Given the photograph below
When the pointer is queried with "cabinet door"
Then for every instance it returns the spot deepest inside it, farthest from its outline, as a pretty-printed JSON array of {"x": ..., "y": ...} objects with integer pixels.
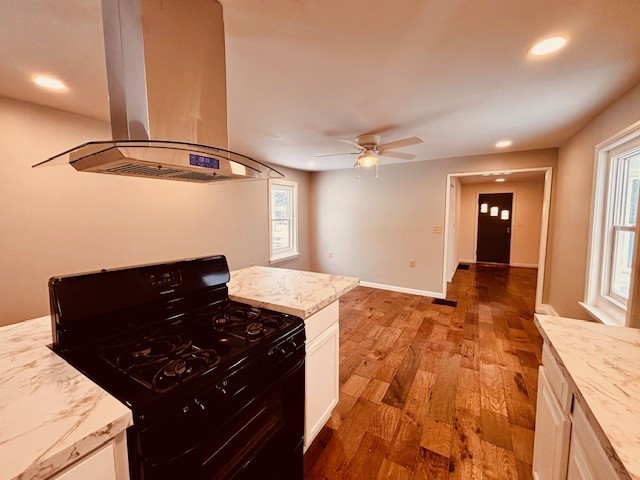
[
  {"x": 108, "y": 462},
  {"x": 587, "y": 457},
  {"x": 99, "y": 465},
  {"x": 321, "y": 382},
  {"x": 578, "y": 466},
  {"x": 551, "y": 443}
]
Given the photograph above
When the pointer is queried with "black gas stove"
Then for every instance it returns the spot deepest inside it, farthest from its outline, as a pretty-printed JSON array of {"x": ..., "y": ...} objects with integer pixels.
[{"x": 216, "y": 387}]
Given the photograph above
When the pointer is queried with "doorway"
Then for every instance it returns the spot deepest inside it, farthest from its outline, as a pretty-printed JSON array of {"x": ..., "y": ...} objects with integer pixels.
[
  {"x": 494, "y": 227},
  {"x": 455, "y": 254}
]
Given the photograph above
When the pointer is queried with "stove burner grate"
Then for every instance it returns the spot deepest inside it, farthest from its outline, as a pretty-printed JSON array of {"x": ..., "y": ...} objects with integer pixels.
[
  {"x": 160, "y": 362},
  {"x": 245, "y": 322}
]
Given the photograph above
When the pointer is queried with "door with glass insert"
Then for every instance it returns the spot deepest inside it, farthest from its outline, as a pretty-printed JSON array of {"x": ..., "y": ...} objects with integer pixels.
[{"x": 494, "y": 227}]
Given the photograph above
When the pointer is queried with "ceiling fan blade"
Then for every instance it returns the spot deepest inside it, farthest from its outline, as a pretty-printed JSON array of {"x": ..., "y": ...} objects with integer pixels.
[
  {"x": 405, "y": 142},
  {"x": 355, "y": 164},
  {"x": 405, "y": 156},
  {"x": 353, "y": 144},
  {"x": 337, "y": 154}
]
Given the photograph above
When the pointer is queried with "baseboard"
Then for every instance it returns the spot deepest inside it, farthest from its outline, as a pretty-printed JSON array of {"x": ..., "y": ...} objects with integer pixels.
[
  {"x": 393, "y": 288},
  {"x": 546, "y": 309},
  {"x": 450, "y": 279},
  {"x": 462, "y": 260}
]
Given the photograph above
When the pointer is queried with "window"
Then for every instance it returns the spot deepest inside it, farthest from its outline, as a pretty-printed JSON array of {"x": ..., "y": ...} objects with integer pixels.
[
  {"x": 283, "y": 228},
  {"x": 621, "y": 223},
  {"x": 613, "y": 227}
]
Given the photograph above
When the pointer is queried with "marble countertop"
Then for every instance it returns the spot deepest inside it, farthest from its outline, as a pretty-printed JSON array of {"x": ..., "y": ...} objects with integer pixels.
[
  {"x": 50, "y": 414},
  {"x": 602, "y": 365},
  {"x": 294, "y": 292}
]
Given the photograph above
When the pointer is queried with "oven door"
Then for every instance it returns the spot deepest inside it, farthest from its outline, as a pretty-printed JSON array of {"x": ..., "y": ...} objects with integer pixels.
[{"x": 255, "y": 434}]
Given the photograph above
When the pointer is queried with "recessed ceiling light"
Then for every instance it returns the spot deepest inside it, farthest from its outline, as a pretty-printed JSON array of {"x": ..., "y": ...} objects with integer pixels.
[
  {"x": 503, "y": 143},
  {"x": 547, "y": 46},
  {"x": 506, "y": 173},
  {"x": 49, "y": 82},
  {"x": 499, "y": 179},
  {"x": 487, "y": 174}
]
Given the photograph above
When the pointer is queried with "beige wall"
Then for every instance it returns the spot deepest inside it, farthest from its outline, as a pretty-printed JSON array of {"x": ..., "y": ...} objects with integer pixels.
[
  {"x": 55, "y": 220},
  {"x": 565, "y": 283},
  {"x": 526, "y": 222},
  {"x": 374, "y": 226}
]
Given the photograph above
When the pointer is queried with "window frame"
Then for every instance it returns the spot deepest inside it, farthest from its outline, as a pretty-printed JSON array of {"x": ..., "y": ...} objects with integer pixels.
[
  {"x": 280, "y": 255},
  {"x": 602, "y": 304}
]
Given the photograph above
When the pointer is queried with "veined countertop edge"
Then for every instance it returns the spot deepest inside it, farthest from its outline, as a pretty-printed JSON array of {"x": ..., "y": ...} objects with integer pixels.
[
  {"x": 75, "y": 415},
  {"x": 610, "y": 451},
  {"x": 295, "y": 292}
]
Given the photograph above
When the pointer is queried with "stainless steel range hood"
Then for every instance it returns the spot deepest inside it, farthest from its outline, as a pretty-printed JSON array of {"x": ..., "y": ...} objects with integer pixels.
[{"x": 167, "y": 96}]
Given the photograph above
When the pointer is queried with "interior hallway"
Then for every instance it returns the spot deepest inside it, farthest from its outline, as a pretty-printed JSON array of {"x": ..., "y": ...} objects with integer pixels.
[{"x": 435, "y": 392}]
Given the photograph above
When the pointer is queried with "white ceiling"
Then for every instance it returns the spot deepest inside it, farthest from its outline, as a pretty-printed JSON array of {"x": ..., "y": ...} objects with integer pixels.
[{"x": 455, "y": 72}]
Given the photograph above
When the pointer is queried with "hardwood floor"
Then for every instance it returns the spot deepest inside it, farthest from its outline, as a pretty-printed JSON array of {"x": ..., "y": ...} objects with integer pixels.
[{"x": 435, "y": 392}]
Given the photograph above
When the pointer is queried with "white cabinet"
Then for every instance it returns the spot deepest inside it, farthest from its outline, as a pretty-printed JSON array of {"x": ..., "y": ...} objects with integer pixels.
[
  {"x": 321, "y": 369},
  {"x": 553, "y": 427},
  {"x": 578, "y": 466},
  {"x": 587, "y": 458},
  {"x": 108, "y": 462},
  {"x": 565, "y": 445}
]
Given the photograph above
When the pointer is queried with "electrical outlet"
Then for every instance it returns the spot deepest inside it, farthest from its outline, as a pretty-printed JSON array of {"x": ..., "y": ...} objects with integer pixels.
[
  {"x": 412, "y": 263},
  {"x": 437, "y": 229},
  {"x": 330, "y": 254}
]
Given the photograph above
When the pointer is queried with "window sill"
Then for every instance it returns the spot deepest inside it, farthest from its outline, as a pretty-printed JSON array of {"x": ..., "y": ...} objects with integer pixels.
[
  {"x": 601, "y": 316},
  {"x": 283, "y": 258}
]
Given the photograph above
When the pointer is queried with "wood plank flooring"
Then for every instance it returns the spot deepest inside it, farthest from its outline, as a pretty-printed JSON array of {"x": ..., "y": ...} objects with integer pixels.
[{"x": 435, "y": 392}]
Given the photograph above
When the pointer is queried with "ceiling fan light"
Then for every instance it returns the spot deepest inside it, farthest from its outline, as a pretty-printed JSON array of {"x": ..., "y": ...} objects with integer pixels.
[{"x": 368, "y": 158}]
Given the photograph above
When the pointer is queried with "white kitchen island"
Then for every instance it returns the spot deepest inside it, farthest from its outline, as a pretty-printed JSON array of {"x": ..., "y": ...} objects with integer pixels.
[
  {"x": 314, "y": 298},
  {"x": 57, "y": 424}
]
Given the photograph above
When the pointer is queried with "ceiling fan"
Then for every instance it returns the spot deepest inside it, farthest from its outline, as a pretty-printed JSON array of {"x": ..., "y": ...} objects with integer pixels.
[{"x": 369, "y": 149}]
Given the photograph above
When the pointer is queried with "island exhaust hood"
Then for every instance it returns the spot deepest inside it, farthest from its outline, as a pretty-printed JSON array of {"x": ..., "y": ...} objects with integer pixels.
[{"x": 167, "y": 96}]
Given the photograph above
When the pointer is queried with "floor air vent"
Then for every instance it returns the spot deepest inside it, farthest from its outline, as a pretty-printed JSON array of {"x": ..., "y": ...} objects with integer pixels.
[
  {"x": 446, "y": 303},
  {"x": 463, "y": 266}
]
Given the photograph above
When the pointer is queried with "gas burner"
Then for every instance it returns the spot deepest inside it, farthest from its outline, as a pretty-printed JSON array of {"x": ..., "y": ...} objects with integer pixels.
[
  {"x": 179, "y": 370},
  {"x": 143, "y": 351},
  {"x": 221, "y": 320},
  {"x": 274, "y": 321},
  {"x": 163, "y": 359},
  {"x": 175, "y": 368},
  {"x": 239, "y": 321},
  {"x": 254, "y": 331}
]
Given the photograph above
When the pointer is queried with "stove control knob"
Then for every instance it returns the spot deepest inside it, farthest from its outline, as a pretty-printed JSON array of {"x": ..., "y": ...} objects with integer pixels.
[
  {"x": 193, "y": 408},
  {"x": 285, "y": 348},
  {"x": 199, "y": 406},
  {"x": 221, "y": 391}
]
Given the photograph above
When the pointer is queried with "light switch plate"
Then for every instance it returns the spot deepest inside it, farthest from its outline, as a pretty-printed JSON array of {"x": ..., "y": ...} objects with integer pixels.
[{"x": 437, "y": 229}]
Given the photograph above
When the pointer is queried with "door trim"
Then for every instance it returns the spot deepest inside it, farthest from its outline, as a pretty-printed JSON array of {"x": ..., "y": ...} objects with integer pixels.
[
  {"x": 475, "y": 232},
  {"x": 544, "y": 228}
]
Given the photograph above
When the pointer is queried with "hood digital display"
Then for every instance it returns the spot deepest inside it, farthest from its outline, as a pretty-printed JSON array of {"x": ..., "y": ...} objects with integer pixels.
[{"x": 202, "y": 161}]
